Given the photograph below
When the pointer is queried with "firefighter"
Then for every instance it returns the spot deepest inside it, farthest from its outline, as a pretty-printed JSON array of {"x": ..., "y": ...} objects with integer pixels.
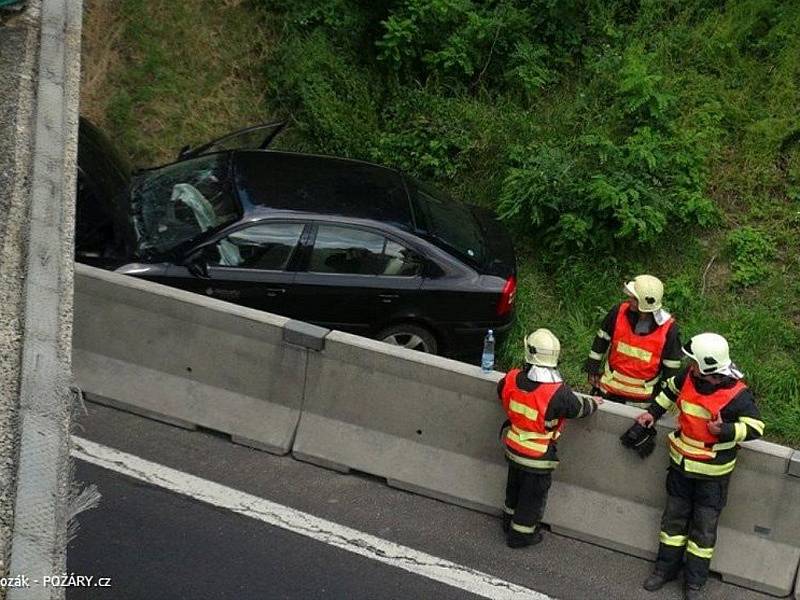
[
  {"x": 537, "y": 403},
  {"x": 716, "y": 410},
  {"x": 642, "y": 343}
]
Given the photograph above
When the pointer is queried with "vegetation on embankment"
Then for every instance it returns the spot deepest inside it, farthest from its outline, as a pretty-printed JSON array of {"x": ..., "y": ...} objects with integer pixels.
[{"x": 615, "y": 137}]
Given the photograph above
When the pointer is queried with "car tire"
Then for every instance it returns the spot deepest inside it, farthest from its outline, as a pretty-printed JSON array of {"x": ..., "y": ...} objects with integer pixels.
[{"x": 410, "y": 336}]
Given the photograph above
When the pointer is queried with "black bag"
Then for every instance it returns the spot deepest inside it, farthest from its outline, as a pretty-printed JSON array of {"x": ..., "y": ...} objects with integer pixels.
[{"x": 640, "y": 439}]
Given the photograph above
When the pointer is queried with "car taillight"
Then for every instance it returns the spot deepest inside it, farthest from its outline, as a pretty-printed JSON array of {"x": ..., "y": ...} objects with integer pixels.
[{"x": 506, "y": 303}]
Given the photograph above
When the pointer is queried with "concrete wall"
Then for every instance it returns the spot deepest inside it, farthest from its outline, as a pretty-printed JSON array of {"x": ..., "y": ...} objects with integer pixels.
[
  {"x": 425, "y": 423},
  {"x": 39, "y": 81},
  {"x": 187, "y": 359}
]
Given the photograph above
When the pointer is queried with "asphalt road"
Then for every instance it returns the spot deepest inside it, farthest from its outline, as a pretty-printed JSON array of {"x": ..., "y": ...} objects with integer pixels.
[{"x": 156, "y": 544}]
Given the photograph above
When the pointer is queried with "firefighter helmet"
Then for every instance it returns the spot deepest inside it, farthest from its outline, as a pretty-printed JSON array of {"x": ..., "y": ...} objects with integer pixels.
[
  {"x": 648, "y": 291},
  {"x": 542, "y": 348},
  {"x": 710, "y": 351}
]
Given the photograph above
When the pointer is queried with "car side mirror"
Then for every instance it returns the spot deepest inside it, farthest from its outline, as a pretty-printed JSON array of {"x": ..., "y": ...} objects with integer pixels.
[{"x": 197, "y": 266}]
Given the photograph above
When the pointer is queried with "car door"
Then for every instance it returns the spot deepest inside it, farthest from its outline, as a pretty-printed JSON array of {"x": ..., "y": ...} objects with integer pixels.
[
  {"x": 258, "y": 137},
  {"x": 348, "y": 281},
  {"x": 249, "y": 266}
]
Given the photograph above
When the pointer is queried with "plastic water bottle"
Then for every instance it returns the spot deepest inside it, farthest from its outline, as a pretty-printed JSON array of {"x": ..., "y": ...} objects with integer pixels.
[{"x": 487, "y": 360}]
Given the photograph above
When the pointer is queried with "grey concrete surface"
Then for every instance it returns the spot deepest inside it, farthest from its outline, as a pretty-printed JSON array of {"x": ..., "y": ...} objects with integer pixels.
[
  {"x": 18, "y": 43},
  {"x": 157, "y": 545},
  {"x": 41, "y": 507},
  {"x": 560, "y": 567},
  {"x": 304, "y": 334},
  {"x": 188, "y": 358},
  {"x": 794, "y": 464}
]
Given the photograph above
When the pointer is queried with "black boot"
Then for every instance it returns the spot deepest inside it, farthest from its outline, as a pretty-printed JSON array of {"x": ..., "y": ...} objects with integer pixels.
[
  {"x": 692, "y": 592},
  {"x": 657, "y": 580},
  {"x": 506, "y": 522},
  {"x": 520, "y": 540}
]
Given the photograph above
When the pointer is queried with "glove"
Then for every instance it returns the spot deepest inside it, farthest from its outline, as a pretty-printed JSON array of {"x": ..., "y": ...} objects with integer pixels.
[{"x": 640, "y": 439}]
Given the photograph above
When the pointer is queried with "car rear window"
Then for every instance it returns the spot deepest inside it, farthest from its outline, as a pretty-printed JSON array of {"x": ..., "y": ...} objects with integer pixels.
[{"x": 450, "y": 223}]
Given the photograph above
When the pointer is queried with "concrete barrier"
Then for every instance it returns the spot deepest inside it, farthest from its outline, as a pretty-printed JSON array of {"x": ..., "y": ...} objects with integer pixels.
[
  {"x": 430, "y": 425},
  {"x": 189, "y": 360},
  {"x": 425, "y": 423}
]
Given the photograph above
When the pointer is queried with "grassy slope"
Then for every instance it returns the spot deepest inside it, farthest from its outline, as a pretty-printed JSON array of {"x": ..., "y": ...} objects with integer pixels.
[{"x": 162, "y": 74}]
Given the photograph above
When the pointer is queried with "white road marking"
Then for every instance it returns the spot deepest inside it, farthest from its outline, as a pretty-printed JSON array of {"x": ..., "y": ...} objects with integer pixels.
[{"x": 351, "y": 540}]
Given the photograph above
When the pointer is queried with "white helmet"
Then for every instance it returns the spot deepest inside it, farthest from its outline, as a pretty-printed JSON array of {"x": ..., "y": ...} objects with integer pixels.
[
  {"x": 648, "y": 291},
  {"x": 710, "y": 351},
  {"x": 542, "y": 348}
]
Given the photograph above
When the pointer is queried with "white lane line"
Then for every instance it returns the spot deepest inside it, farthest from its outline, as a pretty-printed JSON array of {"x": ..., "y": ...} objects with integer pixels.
[{"x": 357, "y": 542}]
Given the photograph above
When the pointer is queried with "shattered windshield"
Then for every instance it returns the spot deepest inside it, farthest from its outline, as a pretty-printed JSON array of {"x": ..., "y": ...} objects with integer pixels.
[{"x": 179, "y": 202}]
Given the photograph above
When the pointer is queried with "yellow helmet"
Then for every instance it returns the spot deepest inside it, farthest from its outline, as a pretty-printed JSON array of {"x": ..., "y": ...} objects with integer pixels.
[
  {"x": 648, "y": 291},
  {"x": 542, "y": 348},
  {"x": 710, "y": 351}
]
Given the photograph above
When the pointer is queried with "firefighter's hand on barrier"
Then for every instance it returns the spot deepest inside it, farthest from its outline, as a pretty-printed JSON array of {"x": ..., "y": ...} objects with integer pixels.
[
  {"x": 715, "y": 426},
  {"x": 645, "y": 419},
  {"x": 598, "y": 400}
]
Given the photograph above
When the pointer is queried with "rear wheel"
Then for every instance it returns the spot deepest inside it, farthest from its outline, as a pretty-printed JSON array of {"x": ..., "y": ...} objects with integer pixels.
[{"x": 409, "y": 336}]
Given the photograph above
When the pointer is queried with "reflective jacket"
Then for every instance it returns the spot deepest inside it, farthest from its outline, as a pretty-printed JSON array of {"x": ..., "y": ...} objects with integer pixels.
[
  {"x": 529, "y": 435},
  {"x": 693, "y": 448},
  {"x": 634, "y": 361}
]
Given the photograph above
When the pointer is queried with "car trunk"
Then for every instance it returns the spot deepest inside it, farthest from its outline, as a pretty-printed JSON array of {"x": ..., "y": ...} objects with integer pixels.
[{"x": 499, "y": 256}]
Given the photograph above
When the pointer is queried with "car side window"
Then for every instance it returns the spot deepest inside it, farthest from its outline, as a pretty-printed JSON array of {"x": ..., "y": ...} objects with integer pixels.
[
  {"x": 265, "y": 247},
  {"x": 346, "y": 251},
  {"x": 400, "y": 261}
]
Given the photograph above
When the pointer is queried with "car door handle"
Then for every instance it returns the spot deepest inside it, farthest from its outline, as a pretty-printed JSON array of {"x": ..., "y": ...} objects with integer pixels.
[
  {"x": 224, "y": 294},
  {"x": 272, "y": 292}
]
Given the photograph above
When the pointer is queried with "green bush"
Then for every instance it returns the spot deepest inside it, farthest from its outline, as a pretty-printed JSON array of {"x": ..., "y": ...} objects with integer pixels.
[{"x": 751, "y": 254}]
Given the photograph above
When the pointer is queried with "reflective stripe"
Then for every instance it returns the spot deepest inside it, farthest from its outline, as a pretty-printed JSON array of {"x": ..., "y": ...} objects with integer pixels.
[
  {"x": 634, "y": 352},
  {"x": 698, "y": 551},
  {"x": 672, "y": 540},
  {"x": 740, "y": 432},
  {"x": 723, "y": 446},
  {"x": 693, "y": 466},
  {"x": 700, "y": 444},
  {"x": 532, "y": 435},
  {"x": 664, "y": 402},
  {"x": 676, "y": 456},
  {"x": 625, "y": 379},
  {"x": 536, "y": 447},
  {"x": 754, "y": 423},
  {"x": 682, "y": 446},
  {"x": 523, "y": 528},
  {"x": 627, "y": 390},
  {"x": 524, "y": 410},
  {"x": 532, "y": 462},
  {"x": 693, "y": 442},
  {"x": 695, "y": 410},
  {"x": 671, "y": 385},
  {"x": 595, "y": 355},
  {"x": 671, "y": 364},
  {"x": 603, "y": 334},
  {"x": 508, "y": 511}
]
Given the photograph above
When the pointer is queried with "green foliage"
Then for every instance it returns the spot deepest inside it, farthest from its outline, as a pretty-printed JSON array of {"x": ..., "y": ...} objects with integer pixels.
[
  {"x": 751, "y": 252},
  {"x": 616, "y": 137}
]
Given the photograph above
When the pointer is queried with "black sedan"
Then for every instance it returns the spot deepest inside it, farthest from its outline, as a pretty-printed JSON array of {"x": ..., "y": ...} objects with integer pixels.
[{"x": 341, "y": 243}]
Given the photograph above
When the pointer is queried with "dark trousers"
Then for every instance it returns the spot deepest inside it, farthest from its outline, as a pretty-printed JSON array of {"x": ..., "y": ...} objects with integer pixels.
[
  {"x": 689, "y": 524},
  {"x": 526, "y": 497}
]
